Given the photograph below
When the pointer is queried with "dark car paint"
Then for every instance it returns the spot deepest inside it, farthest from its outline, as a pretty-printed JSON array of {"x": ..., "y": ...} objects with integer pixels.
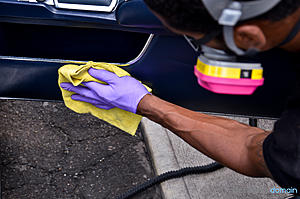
[{"x": 167, "y": 65}]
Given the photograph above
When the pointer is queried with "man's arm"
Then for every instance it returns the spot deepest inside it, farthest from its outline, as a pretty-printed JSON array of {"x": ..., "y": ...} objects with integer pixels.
[
  {"x": 231, "y": 143},
  {"x": 235, "y": 145}
]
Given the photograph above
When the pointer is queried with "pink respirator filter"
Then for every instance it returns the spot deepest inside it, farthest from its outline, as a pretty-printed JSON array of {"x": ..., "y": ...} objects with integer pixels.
[{"x": 228, "y": 80}]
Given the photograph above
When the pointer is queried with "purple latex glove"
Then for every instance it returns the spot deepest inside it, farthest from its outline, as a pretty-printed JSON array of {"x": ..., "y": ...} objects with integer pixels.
[{"x": 122, "y": 92}]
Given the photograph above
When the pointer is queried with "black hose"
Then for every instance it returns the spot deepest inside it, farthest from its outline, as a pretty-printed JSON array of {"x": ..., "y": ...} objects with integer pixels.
[
  {"x": 176, "y": 174},
  {"x": 253, "y": 122},
  {"x": 170, "y": 175},
  {"x": 0, "y": 186}
]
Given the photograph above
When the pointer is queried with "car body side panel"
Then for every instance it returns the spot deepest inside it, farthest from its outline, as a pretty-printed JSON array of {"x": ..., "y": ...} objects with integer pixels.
[
  {"x": 167, "y": 66},
  {"x": 51, "y": 36}
]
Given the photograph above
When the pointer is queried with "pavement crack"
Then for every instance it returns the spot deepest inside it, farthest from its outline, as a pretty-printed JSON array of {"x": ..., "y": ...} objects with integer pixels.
[
  {"x": 14, "y": 188},
  {"x": 46, "y": 171},
  {"x": 91, "y": 167},
  {"x": 60, "y": 129}
]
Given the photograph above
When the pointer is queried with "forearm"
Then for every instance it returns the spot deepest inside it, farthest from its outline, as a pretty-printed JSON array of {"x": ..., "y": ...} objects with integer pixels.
[{"x": 226, "y": 141}]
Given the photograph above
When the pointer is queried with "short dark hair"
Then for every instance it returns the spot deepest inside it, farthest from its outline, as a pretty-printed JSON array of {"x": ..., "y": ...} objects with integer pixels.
[{"x": 191, "y": 15}]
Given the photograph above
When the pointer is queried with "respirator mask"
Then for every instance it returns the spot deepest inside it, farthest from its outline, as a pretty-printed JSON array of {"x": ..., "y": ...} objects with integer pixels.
[{"x": 229, "y": 72}]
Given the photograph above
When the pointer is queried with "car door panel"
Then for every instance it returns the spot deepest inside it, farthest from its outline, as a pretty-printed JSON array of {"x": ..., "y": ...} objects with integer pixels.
[{"x": 38, "y": 38}]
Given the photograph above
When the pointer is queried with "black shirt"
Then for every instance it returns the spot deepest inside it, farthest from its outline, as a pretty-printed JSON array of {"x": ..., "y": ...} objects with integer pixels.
[{"x": 281, "y": 148}]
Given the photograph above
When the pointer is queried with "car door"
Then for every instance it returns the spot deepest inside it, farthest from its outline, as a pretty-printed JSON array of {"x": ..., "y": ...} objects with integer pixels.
[{"x": 39, "y": 36}]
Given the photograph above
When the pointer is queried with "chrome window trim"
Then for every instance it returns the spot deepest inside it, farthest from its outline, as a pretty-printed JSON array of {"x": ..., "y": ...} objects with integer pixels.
[
  {"x": 49, "y": 2},
  {"x": 31, "y": 1},
  {"x": 109, "y": 8},
  {"x": 145, "y": 48},
  {"x": 62, "y": 61}
]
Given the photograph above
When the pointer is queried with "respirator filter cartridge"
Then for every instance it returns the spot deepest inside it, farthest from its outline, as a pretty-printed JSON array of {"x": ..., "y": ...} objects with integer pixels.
[{"x": 227, "y": 77}]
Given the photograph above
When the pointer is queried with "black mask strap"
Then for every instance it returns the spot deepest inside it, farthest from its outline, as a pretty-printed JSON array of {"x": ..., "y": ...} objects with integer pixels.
[
  {"x": 292, "y": 34},
  {"x": 197, "y": 43},
  {"x": 208, "y": 37}
]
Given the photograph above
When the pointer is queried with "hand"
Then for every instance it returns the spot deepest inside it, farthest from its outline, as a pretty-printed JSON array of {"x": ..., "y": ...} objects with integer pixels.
[{"x": 122, "y": 92}]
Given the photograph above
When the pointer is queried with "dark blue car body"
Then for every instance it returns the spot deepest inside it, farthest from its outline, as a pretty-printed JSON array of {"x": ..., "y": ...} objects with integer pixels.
[{"x": 36, "y": 38}]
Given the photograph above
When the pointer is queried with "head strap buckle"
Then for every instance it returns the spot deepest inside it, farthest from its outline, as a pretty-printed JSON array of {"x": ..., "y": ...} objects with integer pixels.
[{"x": 231, "y": 15}]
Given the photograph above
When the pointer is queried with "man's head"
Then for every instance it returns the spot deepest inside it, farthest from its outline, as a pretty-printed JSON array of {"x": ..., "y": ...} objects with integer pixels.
[{"x": 190, "y": 17}]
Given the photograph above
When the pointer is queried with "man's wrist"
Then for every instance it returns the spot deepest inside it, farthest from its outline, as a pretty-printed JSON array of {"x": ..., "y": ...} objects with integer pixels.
[{"x": 143, "y": 105}]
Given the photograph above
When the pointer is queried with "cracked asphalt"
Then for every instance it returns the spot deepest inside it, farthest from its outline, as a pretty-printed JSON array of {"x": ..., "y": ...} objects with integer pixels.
[{"x": 48, "y": 151}]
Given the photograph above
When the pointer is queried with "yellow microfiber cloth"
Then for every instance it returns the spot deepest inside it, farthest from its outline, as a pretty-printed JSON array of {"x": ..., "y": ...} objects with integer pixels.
[{"x": 76, "y": 74}]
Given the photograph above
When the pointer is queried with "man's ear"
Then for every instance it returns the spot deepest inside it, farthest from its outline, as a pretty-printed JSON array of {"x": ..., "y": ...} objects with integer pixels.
[{"x": 249, "y": 36}]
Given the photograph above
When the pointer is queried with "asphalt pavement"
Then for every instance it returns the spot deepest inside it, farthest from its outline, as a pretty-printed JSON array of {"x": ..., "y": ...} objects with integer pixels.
[{"x": 48, "y": 151}]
